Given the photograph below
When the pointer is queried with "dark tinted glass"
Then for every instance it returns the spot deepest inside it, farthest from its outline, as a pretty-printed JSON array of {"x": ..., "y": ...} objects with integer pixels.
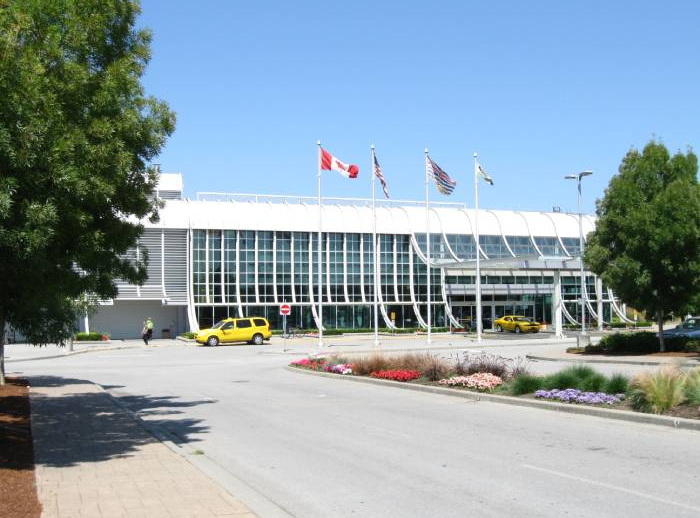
[
  {"x": 259, "y": 322},
  {"x": 242, "y": 324}
]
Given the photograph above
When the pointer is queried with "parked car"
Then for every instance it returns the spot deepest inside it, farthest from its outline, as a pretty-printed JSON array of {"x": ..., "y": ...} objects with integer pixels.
[
  {"x": 517, "y": 324},
  {"x": 690, "y": 328},
  {"x": 252, "y": 330}
]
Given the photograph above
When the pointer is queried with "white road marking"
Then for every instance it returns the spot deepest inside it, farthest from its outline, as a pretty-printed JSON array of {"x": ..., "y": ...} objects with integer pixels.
[
  {"x": 610, "y": 486},
  {"x": 123, "y": 355}
]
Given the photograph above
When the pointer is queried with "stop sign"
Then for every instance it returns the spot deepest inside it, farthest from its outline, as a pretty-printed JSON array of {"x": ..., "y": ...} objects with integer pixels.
[{"x": 285, "y": 309}]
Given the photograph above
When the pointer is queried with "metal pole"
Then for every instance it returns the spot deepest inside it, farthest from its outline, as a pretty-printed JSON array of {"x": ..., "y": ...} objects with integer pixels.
[
  {"x": 284, "y": 333},
  {"x": 376, "y": 260},
  {"x": 583, "y": 276},
  {"x": 478, "y": 265},
  {"x": 320, "y": 264},
  {"x": 427, "y": 242}
]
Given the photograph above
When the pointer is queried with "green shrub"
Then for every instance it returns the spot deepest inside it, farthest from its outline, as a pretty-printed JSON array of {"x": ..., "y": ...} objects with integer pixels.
[
  {"x": 596, "y": 382},
  {"x": 561, "y": 380},
  {"x": 642, "y": 342},
  {"x": 617, "y": 384},
  {"x": 658, "y": 391},
  {"x": 692, "y": 386},
  {"x": 580, "y": 377},
  {"x": 692, "y": 345},
  {"x": 188, "y": 334},
  {"x": 526, "y": 384},
  {"x": 89, "y": 337}
]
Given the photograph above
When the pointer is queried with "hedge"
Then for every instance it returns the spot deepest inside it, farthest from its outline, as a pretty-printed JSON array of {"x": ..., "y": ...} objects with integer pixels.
[
  {"x": 641, "y": 343},
  {"x": 90, "y": 337}
]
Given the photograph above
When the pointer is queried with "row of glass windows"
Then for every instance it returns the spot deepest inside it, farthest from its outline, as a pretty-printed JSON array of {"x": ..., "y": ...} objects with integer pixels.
[
  {"x": 271, "y": 266},
  {"x": 267, "y": 266},
  {"x": 570, "y": 285}
]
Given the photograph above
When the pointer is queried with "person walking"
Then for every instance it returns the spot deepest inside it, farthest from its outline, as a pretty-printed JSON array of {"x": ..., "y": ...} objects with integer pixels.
[
  {"x": 149, "y": 329},
  {"x": 144, "y": 331}
]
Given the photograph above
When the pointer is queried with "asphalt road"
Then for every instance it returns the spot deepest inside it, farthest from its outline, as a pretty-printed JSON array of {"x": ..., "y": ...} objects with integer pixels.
[{"x": 317, "y": 447}]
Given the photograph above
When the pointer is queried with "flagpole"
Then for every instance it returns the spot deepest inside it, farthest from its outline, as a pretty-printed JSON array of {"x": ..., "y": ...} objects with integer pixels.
[
  {"x": 427, "y": 240},
  {"x": 375, "y": 262},
  {"x": 320, "y": 264},
  {"x": 478, "y": 266}
]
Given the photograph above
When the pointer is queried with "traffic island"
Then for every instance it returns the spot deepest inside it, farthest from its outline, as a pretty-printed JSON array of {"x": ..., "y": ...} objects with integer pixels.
[{"x": 487, "y": 377}]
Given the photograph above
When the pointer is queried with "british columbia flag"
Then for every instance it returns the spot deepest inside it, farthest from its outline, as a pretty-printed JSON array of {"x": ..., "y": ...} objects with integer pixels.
[{"x": 443, "y": 182}]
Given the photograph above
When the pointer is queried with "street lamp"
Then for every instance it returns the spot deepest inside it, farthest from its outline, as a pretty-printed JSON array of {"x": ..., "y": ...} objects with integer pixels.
[{"x": 578, "y": 178}]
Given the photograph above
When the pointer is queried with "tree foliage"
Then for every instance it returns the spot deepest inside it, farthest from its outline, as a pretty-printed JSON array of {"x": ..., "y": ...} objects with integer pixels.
[
  {"x": 646, "y": 245},
  {"x": 76, "y": 134}
]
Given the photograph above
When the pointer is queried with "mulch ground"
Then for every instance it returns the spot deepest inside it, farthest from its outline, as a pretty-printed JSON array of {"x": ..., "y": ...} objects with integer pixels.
[{"x": 18, "y": 497}]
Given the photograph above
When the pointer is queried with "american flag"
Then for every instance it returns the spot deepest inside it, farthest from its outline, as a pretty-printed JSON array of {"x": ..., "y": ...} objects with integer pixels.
[
  {"x": 378, "y": 174},
  {"x": 443, "y": 182}
]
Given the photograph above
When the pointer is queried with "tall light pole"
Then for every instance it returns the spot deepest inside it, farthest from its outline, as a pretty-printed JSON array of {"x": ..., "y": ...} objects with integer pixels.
[{"x": 578, "y": 177}]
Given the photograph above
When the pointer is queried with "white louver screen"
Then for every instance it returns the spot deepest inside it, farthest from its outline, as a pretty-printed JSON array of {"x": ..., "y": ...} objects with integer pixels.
[
  {"x": 176, "y": 265},
  {"x": 150, "y": 242},
  {"x": 127, "y": 290},
  {"x": 169, "y": 195}
]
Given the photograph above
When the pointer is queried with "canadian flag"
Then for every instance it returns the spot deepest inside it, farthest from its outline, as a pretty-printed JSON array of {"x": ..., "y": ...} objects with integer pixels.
[{"x": 331, "y": 163}]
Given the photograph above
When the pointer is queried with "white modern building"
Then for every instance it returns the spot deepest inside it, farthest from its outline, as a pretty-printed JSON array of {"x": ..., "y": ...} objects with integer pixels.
[{"x": 243, "y": 255}]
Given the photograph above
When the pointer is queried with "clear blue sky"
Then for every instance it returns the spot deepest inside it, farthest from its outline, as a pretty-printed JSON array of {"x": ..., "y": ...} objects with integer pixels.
[{"x": 539, "y": 89}]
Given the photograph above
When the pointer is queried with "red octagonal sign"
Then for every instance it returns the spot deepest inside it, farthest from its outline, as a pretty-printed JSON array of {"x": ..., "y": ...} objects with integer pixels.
[{"x": 285, "y": 309}]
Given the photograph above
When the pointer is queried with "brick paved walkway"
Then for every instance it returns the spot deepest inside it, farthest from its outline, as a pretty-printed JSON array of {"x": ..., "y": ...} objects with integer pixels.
[{"x": 93, "y": 460}]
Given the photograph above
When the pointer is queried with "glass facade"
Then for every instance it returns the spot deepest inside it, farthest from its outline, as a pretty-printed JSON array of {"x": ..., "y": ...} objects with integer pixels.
[{"x": 252, "y": 272}]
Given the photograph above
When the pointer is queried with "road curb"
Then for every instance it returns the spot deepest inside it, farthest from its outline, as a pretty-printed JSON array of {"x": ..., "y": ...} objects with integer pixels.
[
  {"x": 73, "y": 353},
  {"x": 619, "y": 415},
  {"x": 684, "y": 363},
  {"x": 329, "y": 349}
]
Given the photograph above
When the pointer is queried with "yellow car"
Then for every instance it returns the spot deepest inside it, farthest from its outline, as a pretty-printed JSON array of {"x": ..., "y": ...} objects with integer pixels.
[
  {"x": 251, "y": 330},
  {"x": 516, "y": 323}
]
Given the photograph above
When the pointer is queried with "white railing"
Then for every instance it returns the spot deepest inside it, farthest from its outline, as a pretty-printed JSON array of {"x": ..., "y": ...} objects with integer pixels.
[{"x": 285, "y": 198}]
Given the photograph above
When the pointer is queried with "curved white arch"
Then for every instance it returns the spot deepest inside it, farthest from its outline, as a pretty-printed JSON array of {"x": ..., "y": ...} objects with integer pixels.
[
  {"x": 529, "y": 231},
  {"x": 448, "y": 311},
  {"x": 411, "y": 288},
  {"x": 500, "y": 228},
  {"x": 378, "y": 287},
  {"x": 568, "y": 316},
  {"x": 616, "y": 308},
  {"x": 444, "y": 237},
  {"x": 584, "y": 290},
  {"x": 476, "y": 241},
  {"x": 556, "y": 233}
]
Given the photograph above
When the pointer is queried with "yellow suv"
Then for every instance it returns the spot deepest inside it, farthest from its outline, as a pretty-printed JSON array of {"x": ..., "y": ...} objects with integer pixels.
[{"x": 252, "y": 330}]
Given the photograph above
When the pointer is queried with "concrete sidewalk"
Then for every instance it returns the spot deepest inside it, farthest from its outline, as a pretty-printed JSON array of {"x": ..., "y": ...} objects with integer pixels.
[
  {"x": 563, "y": 356},
  {"x": 94, "y": 460}
]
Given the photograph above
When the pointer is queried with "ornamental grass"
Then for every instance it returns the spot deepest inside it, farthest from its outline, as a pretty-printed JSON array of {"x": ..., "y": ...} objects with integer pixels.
[
  {"x": 692, "y": 386},
  {"x": 658, "y": 391}
]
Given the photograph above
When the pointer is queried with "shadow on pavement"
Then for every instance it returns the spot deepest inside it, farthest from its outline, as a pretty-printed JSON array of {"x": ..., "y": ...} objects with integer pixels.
[{"x": 74, "y": 421}]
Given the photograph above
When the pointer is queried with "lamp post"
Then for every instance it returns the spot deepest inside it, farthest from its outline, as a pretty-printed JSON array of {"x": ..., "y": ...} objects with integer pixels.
[{"x": 578, "y": 177}]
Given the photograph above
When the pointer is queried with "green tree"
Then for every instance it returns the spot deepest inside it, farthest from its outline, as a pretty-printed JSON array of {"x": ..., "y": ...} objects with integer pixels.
[
  {"x": 646, "y": 245},
  {"x": 76, "y": 134}
]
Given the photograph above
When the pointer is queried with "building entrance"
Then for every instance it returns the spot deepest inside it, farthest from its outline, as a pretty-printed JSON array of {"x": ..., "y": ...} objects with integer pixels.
[{"x": 465, "y": 312}]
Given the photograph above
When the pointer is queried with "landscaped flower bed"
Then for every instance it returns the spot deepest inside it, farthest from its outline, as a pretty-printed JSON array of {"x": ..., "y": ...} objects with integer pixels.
[
  {"x": 577, "y": 396},
  {"x": 482, "y": 381},
  {"x": 396, "y": 375},
  {"x": 666, "y": 391}
]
